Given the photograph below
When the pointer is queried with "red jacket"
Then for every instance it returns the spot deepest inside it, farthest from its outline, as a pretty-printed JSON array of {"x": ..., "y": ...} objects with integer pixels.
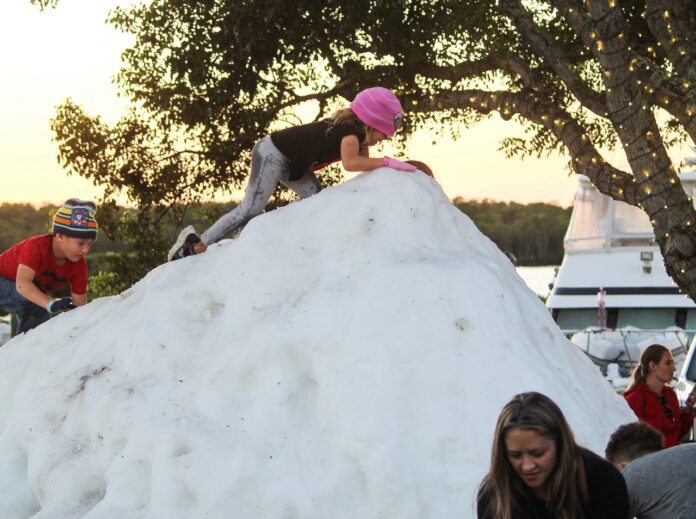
[{"x": 648, "y": 408}]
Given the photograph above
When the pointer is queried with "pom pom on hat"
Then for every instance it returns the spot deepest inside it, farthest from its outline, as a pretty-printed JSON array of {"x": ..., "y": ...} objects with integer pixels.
[
  {"x": 379, "y": 108},
  {"x": 77, "y": 219}
]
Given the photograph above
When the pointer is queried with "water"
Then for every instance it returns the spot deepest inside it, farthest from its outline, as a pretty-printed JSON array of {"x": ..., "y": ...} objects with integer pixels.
[{"x": 538, "y": 278}]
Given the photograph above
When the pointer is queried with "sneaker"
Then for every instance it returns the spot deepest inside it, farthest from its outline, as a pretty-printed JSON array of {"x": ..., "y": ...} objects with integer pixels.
[{"x": 184, "y": 244}]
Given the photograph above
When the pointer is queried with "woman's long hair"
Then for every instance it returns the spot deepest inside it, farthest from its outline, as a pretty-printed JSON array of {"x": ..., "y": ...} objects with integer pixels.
[
  {"x": 652, "y": 353},
  {"x": 507, "y": 492}
]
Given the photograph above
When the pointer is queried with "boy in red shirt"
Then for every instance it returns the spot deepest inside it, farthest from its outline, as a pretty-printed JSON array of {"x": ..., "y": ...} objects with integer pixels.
[{"x": 39, "y": 264}]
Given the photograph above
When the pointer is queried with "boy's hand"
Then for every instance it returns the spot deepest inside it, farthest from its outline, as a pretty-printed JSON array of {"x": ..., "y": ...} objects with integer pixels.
[
  {"x": 58, "y": 305},
  {"x": 397, "y": 164}
]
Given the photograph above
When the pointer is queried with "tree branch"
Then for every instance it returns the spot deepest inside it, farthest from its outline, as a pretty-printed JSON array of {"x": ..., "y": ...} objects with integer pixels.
[
  {"x": 585, "y": 159},
  {"x": 552, "y": 55},
  {"x": 669, "y": 31},
  {"x": 470, "y": 69}
]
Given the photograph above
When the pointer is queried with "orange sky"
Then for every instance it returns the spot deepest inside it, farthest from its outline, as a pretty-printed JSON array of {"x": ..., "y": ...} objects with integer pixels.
[{"x": 70, "y": 52}]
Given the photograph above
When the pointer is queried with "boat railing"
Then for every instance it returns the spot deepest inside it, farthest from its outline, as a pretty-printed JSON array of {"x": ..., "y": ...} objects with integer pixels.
[
  {"x": 684, "y": 337},
  {"x": 604, "y": 242}
]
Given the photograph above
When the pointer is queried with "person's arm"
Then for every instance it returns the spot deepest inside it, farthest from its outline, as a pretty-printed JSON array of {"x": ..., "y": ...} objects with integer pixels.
[
  {"x": 353, "y": 160},
  {"x": 636, "y": 401},
  {"x": 27, "y": 289},
  {"x": 78, "y": 299},
  {"x": 687, "y": 413}
]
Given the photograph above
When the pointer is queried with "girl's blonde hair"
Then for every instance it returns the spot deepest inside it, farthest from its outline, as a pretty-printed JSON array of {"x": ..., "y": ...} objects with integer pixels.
[
  {"x": 652, "y": 353},
  {"x": 504, "y": 488},
  {"x": 347, "y": 116}
]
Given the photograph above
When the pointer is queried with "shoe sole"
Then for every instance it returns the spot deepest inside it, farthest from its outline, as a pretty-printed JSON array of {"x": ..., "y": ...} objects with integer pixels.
[{"x": 180, "y": 242}]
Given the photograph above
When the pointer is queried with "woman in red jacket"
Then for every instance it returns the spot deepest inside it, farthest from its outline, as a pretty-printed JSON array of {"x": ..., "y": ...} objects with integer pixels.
[{"x": 654, "y": 401}]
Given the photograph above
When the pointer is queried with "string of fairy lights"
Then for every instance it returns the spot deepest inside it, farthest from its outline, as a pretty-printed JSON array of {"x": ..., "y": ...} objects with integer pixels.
[{"x": 638, "y": 103}]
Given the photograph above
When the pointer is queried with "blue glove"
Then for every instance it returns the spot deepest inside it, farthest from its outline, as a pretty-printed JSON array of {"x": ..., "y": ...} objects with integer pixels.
[{"x": 58, "y": 305}]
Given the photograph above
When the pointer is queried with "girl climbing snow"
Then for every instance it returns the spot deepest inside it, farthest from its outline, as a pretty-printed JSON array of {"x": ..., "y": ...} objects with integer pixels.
[{"x": 291, "y": 157}]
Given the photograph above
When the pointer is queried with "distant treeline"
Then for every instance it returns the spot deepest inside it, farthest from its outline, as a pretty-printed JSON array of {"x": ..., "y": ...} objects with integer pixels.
[{"x": 533, "y": 233}]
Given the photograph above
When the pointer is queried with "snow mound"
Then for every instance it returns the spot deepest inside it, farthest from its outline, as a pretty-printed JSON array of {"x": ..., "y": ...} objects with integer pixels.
[{"x": 346, "y": 357}]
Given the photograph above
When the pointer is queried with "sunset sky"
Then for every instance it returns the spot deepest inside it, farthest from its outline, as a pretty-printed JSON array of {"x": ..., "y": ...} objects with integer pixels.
[{"x": 70, "y": 52}]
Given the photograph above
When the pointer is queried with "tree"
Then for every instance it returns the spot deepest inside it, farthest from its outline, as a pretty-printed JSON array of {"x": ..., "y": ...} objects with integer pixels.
[{"x": 207, "y": 78}]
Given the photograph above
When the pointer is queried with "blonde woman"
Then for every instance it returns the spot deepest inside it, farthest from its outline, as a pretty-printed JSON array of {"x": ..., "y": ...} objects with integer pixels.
[{"x": 539, "y": 472}]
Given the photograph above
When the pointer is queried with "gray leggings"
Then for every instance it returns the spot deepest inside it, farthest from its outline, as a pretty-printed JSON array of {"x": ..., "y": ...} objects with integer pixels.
[{"x": 268, "y": 167}]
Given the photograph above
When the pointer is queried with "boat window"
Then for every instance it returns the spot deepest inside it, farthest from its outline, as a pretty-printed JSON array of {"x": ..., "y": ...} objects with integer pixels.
[{"x": 589, "y": 221}]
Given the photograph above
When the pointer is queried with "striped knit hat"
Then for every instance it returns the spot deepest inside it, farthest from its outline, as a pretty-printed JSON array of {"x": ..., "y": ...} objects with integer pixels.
[
  {"x": 379, "y": 108},
  {"x": 76, "y": 219}
]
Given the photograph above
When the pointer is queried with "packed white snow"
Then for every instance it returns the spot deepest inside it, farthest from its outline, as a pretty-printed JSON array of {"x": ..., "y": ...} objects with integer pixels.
[{"x": 346, "y": 357}]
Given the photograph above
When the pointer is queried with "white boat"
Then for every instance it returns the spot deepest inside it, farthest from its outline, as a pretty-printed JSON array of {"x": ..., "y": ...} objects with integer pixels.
[{"x": 610, "y": 246}]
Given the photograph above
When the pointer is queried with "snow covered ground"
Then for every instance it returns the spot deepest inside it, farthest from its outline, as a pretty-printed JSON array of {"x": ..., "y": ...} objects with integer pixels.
[{"x": 346, "y": 357}]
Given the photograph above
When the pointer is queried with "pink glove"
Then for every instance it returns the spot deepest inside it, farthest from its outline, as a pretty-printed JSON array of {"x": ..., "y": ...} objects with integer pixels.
[{"x": 397, "y": 164}]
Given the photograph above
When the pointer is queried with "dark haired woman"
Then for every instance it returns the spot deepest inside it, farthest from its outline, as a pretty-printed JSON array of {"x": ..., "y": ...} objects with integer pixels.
[
  {"x": 654, "y": 401},
  {"x": 539, "y": 472}
]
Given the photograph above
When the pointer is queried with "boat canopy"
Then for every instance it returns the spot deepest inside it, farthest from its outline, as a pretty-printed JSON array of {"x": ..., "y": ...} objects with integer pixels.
[{"x": 599, "y": 222}]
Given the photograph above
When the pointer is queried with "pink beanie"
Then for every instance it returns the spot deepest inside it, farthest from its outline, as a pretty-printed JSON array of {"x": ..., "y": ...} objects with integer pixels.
[{"x": 379, "y": 108}]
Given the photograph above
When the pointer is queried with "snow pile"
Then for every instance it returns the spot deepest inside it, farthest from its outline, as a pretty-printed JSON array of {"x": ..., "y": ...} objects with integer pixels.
[{"x": 346, "y": 357}]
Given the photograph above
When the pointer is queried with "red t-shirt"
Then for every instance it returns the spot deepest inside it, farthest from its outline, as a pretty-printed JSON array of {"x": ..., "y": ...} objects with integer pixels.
[{"x": 36, "y": 253}]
